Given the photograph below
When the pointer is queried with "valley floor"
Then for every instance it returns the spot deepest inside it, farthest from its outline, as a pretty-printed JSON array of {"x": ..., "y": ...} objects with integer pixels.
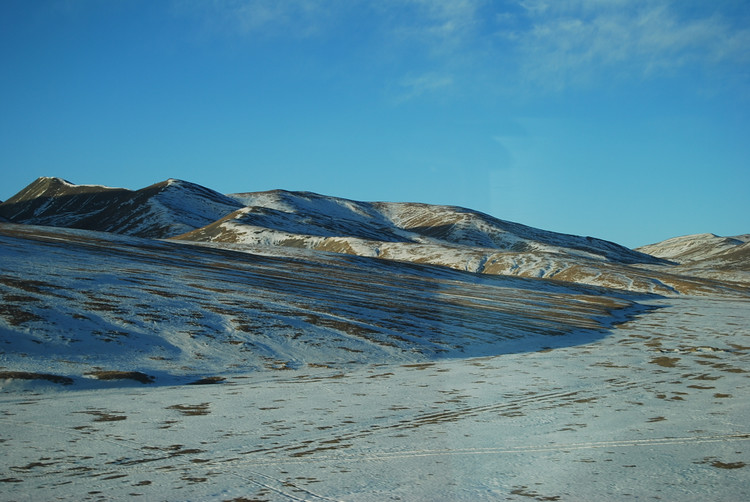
[{"x": 656, "y": 410}]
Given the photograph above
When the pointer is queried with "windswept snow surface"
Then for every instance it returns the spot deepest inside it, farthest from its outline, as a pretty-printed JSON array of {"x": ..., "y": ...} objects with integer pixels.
[
  {"x": 349, "y": 378},
  {"x": 359, "y": 351}
]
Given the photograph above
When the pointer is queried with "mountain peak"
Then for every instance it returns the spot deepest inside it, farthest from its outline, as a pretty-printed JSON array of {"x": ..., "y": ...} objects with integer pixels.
[
  {"x": 161, "y": 210},
  {"x": 43, "y": 202},
  {"x": 44, "y": 186}
]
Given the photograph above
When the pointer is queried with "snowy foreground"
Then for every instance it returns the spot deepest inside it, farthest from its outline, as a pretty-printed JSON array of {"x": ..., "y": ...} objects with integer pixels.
[
  {"x": 657, "y": 409},
  {"x": 335, "y": 377}
]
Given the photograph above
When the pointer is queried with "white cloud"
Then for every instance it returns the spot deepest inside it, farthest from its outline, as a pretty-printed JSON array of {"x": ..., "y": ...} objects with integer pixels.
[{"x": 446, "y": 18}]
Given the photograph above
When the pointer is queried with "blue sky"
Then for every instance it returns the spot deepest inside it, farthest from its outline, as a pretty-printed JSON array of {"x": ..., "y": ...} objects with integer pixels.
[{"x": 627, "y": 120}]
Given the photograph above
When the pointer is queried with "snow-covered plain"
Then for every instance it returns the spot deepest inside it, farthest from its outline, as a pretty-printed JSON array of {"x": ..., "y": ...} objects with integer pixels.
[{"x": 656, "y": 410}]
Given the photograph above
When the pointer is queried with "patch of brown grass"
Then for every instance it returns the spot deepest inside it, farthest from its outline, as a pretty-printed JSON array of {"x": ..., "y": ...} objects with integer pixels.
[
  {"x": 16, "y": 315},
  {"x": 191, "y": 409},
  {"x": 714, "y": 462},
  {"x": 25, "y": 375},
  {"x": 122, "y": 375},
  {"x": 727, "y": 465},
  {"x": 104, "y": 416},
  {"x": 208, "y": 380},
  {"x": 665, "y": 362}
]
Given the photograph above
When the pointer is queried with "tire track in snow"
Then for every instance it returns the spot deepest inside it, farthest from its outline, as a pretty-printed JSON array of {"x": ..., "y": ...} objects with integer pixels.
[
  {"x": 300, "y": 454},
  {"x": 310, "y": 449},
  {"x": 278, "y": 490},
  {"x": 338, "y": 439}
]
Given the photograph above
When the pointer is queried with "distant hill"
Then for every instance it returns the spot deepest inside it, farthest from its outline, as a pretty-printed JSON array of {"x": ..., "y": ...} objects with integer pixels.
[
  {"x": 694, "y": 247},
  {"x": 707, "y": 255}
]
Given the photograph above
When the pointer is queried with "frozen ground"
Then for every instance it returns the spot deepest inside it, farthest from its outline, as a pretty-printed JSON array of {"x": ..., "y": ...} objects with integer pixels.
[{"x": 656, "y": 410}]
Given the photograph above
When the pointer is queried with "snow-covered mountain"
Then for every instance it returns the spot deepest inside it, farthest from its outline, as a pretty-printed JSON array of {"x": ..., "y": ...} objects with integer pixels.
[
  {"x": 448, "y": 236},
  {"x": 164, "y": 208}
]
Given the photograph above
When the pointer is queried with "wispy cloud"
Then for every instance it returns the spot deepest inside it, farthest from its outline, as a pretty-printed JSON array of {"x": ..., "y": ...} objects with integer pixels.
[
  {"x": 414, "y": 43},
  {"x": 543, "y": 44},
  {"x": 287, "y": 18},
  {"x": 438, "y": 22},
  {"x": 414, "y": 86},
  {"x": 578, "y": 42},
  {"x": 441, "y": 24}
]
